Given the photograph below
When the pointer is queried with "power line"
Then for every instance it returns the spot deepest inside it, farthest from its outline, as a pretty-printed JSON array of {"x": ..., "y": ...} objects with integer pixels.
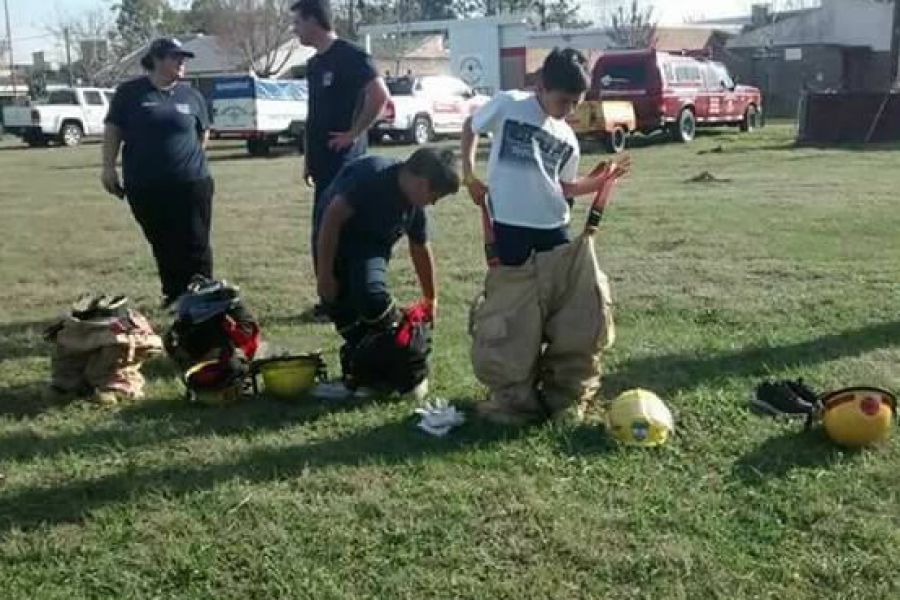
[{"x": 33, "y": 37}]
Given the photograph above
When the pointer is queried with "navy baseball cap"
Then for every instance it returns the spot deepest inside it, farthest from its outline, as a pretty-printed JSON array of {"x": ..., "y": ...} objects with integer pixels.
[{"x": 162, "y": 47}]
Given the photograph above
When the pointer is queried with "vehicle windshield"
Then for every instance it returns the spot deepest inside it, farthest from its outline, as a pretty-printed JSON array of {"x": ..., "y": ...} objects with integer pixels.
[{"x": 400, "y": 86}]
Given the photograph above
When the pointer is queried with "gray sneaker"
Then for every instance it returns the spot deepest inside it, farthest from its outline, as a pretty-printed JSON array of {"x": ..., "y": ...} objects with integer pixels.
[
  {"x": 331, "y": 391},
  {"x": 338, "y": 390}
]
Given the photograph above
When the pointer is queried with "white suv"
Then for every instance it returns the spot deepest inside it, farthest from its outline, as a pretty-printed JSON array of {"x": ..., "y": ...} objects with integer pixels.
[{"x": 421, "y": 108}]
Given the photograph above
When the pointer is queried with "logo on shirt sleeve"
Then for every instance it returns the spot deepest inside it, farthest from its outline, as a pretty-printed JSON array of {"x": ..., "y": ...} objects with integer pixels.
[{"x": 184, "y": 109}]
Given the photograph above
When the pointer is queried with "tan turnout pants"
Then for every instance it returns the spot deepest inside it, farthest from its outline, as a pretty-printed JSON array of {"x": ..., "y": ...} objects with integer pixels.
[
  {"x": 106, "y": 356},
  {"x": 539, "y": 330}
]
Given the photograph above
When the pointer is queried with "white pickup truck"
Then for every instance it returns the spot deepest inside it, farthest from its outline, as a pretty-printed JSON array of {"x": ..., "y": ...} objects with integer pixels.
[
  {"x": 66, "y": 116},
  {"x": 421, "y": 108}
]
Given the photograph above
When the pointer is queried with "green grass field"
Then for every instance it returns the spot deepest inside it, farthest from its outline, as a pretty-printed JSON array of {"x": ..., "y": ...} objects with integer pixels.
[{"x": 790, "y": 269}]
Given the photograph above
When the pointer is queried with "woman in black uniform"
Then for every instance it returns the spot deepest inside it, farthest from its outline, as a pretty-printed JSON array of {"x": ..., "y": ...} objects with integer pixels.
[{"x": 163, "y": 125}]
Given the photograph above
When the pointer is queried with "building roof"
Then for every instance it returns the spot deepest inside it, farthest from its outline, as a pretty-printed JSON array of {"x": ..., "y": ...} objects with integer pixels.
[
  {"x": 669, "y": 39},
  {"x": 676, "y": 39},
  {"x": 438, "y": 26},
  {"x": 211, "y": 58},
  {"x": 431, "y": 47},
  {"x": 743, "y": 23},
  {"x": 858, "y": 23},
  {"x": 582, "y": 39}
]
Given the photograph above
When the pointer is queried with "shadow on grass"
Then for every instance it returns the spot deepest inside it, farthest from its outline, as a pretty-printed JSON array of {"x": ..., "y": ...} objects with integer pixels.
[
  {"x": 678, "y": 372},
  {"x": 24, "y": 339},
  {"x": 160, "y": 367},
  {"x": 309, "y": 316},
  {"x": 26, "y": 401},
  {"x": 91, "y": 167},
  {"x": 274, "y": 153},
  {"x": 777, "y": 457},
  {"x": 852, "y": 147},
  {"x": 31, "y": 399},
  {"x": 154, "y": 422},
  {"x": 795, "y": 146},
  {"x": 586, "y": 440},
  {"x": 393, "y": 443}
]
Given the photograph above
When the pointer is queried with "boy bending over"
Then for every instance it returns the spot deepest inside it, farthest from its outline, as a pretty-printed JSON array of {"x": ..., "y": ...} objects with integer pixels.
[{"x": 371, "y": 204}]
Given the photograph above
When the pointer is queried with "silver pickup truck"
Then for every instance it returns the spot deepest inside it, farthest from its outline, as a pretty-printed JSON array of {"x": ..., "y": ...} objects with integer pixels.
[{"x": 66, "y": 116}]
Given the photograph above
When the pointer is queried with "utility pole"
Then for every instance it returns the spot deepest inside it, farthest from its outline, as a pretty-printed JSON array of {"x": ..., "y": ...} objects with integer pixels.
[
  {"x": 542, "y": 11},
  {"x": 895, "y": 47},
  {"x": 12, "y": 63},
  {"x": 68, "y": 56}
]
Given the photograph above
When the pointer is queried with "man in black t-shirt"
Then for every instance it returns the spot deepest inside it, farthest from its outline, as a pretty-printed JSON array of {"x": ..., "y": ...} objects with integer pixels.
[{"x": 345, "y": 98}]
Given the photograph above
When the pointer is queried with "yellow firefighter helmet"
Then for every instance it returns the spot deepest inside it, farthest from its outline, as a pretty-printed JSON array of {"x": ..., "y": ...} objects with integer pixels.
[
  {"x": 860, "y": 416},
  {"x": 639, "y": 418}
]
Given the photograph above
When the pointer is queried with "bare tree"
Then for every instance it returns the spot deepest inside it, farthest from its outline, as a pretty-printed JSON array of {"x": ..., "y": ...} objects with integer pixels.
[
  {"x": 633, "y": 28},
  {"x": 259, "y": 30},
  {"x": 394, "y": 46},
  {"x": 90, "y": 37}
]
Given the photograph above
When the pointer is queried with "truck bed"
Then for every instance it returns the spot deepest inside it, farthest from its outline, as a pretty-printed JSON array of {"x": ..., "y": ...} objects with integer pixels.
[{"x": 16, "y": 116}]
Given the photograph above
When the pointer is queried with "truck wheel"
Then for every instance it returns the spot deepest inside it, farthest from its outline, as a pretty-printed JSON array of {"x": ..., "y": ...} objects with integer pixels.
[
  {"x": 751, "y": 119},
  {"x": 70, "y": 135},
  {"x": 686, "y": 127},
  {"x": 615, "y": 140},
  {"x": 421, "y": 132},
  {"x": 259, "y": 147},
  {"x": 375, "y": 137}
]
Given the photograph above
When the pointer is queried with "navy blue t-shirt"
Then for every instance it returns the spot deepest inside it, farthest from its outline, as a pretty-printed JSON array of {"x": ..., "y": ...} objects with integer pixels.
[
  {"x": 161, "y": 131},
  {"x": 337, "y": 80},
  {"x": 381, "y": 213}
]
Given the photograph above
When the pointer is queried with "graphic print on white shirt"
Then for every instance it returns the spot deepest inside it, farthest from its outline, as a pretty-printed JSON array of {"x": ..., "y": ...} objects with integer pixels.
[
  {"x": 519, "y": 141},
  {"x": 530, "y": 155}
]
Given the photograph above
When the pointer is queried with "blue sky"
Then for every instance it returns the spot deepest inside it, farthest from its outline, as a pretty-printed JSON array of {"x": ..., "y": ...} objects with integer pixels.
[{"x": 30, "y": 18}]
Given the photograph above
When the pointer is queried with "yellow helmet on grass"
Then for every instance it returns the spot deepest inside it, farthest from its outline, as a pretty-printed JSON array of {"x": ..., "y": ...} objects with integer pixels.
[
  {"x": 639, "y": 418},
  {"x": 290, "y": 377},
  {"x": 860, "y": 416}
]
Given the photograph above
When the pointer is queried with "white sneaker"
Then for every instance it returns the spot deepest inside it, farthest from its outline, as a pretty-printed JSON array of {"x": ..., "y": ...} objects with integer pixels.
[{"x": 418, "y": 393}]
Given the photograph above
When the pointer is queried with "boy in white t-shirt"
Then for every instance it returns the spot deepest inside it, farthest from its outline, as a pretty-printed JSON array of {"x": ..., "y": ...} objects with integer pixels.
[{"x": 545, "y": 314}]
